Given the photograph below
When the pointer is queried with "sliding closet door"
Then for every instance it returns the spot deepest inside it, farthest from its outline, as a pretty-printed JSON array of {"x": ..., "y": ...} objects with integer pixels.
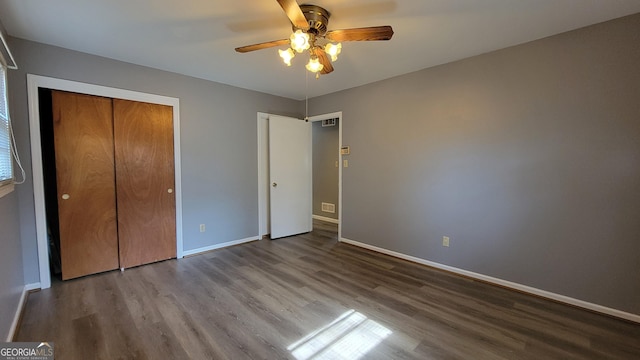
[
  {"x": 83, "y": 137},
  {"x": 145, "y": 181}
]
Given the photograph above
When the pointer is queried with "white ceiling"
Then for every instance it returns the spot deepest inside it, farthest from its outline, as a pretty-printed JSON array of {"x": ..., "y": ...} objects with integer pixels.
[{"x": 198, "y": 37}]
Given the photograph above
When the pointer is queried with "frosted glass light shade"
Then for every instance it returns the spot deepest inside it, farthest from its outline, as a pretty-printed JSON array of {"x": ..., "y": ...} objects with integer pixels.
[
  {"x": 333, "y": 50},
  {"x": 287, "y": 55},
  {"x": 300, "y": 41},
  {"x": 314, "y": 64}
]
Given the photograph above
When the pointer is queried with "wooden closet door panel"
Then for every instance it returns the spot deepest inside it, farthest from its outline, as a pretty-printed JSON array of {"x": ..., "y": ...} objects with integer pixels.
[
  {"x": 145, "y": 182},
  {"x": 83, "y": 138}
]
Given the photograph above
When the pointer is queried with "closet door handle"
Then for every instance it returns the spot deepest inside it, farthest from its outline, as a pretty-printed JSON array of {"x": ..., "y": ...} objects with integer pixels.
[
  {"x": 170, "y": 191},
  {"x": 65, "y": 196}
]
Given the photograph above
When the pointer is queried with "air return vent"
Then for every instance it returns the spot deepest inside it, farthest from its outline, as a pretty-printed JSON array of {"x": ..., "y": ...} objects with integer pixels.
[
  {"x": 329, "y": 122},
  {"x": 329, "y": 208}
]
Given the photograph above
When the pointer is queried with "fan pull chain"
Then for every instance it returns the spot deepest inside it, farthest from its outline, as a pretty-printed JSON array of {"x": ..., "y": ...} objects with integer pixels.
[{"x": 306, "y": 96}]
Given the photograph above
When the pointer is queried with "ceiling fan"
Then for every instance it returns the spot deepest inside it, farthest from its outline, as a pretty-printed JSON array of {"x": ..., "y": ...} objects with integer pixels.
[{"x": 310, "y": 33}]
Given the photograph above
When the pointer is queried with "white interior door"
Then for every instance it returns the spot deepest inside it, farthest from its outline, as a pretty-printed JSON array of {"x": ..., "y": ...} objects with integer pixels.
[{"x": 290, "y": 176}]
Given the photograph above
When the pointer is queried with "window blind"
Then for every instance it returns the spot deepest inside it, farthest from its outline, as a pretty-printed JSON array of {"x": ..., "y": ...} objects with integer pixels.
[{"x": 6, "y": 173}]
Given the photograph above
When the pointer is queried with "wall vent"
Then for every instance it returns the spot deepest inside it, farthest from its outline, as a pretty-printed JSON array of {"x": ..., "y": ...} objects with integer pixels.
[
  {"x": 329, "y": 208},
  {"x": 329, "y": 122}
]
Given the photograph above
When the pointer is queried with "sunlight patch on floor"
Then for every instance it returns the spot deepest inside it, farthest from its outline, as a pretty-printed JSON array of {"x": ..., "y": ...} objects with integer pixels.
[{"x": 350, "y": 336}]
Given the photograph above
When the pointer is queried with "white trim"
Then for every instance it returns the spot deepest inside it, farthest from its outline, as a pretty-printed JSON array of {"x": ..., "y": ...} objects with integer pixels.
[
  {"x": 16, "y": 316},
  {"x": 33, "y": 286},
  {"x": 23, "y": 301},
  {"x": 220, "y": 246},
  {"x": 326, "y": 219},
  {"x": 263, "y": 175},
  {"x": 508, "y": 284},
  {"x": 33, "y": 83}
]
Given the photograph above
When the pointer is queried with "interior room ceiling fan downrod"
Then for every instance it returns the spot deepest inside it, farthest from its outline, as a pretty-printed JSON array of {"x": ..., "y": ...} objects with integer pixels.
[{"x": 310, "y": 33}]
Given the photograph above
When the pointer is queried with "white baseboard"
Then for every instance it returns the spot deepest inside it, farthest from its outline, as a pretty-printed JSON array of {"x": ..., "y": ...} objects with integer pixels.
[
  {"x": 32, "y": 286},
  {"x": 21, "y": 304},
  {"x": 508, "y": 284},
  {"x": 326, "y": 219},
  {"x": 219, "y": 246}
]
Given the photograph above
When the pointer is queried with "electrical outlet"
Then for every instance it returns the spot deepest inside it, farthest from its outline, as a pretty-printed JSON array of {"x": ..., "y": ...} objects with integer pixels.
[
  {"x": 202, "y": 227},
  {"x": 445, "y": 241}
]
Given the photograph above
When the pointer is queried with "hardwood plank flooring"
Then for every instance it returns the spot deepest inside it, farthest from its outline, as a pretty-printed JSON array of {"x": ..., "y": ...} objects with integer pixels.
[{"x": 305, "y": 297}]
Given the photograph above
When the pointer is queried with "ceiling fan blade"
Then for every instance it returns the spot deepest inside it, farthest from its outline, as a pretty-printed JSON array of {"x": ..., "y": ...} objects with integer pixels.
[
  {"x": 361, "y": 34},
  {"x": 294, "y": 13},
  {"x": 324, "y": 60},
  {"x": 260, "y": 46}
]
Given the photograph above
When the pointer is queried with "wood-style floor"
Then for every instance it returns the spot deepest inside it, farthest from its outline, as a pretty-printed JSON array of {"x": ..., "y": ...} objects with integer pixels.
[{"x": 306, "y": 297}]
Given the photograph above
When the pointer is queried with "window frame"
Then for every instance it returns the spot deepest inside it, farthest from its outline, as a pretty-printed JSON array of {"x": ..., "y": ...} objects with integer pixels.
[{"x": 7, "y": 185}]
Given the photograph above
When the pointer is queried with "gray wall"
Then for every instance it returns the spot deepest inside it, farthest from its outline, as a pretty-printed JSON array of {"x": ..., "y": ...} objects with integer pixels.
[
  {"x": 527, "y": 157},
  {"x": 218, "y": 138},
  {"x": 325, "y": 172},
  {"x": 11, "y": 274}
]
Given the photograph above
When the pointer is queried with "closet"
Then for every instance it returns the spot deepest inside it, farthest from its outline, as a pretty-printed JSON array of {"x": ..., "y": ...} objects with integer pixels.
[{"x": 114, "y": 165}]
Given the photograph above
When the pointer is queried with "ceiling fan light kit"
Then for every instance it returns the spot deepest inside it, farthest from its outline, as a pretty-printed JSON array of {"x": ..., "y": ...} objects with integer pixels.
[
  {"x": 287, "y": 55},
  {"x": 310, "y": 33},
  {"x": 314, "y": 64},
  {"x": 300, "y": 41},
  {"x": 333, "y": 50}
]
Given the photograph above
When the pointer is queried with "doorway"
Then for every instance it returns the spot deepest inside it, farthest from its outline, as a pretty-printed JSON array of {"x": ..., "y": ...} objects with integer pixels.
[
  {"x": 325, "y": 165},
  {"x": 264, "y": 215}
]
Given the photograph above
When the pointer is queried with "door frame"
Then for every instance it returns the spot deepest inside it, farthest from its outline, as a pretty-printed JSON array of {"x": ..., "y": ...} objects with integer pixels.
[
  {"x": 263, "y": 169},
  {"x": 34, "y": 82}
]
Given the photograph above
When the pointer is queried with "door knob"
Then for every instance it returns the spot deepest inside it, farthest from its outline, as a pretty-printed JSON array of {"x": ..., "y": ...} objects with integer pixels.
[
  {"x": 65, "y": 196},
  {"x": 170, "y": 191},
  {"x": 275, "y": 185}
]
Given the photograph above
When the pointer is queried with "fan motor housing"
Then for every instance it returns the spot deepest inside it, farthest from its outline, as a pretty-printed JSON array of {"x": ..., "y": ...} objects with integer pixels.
[{"x": 317, "y": 17}]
